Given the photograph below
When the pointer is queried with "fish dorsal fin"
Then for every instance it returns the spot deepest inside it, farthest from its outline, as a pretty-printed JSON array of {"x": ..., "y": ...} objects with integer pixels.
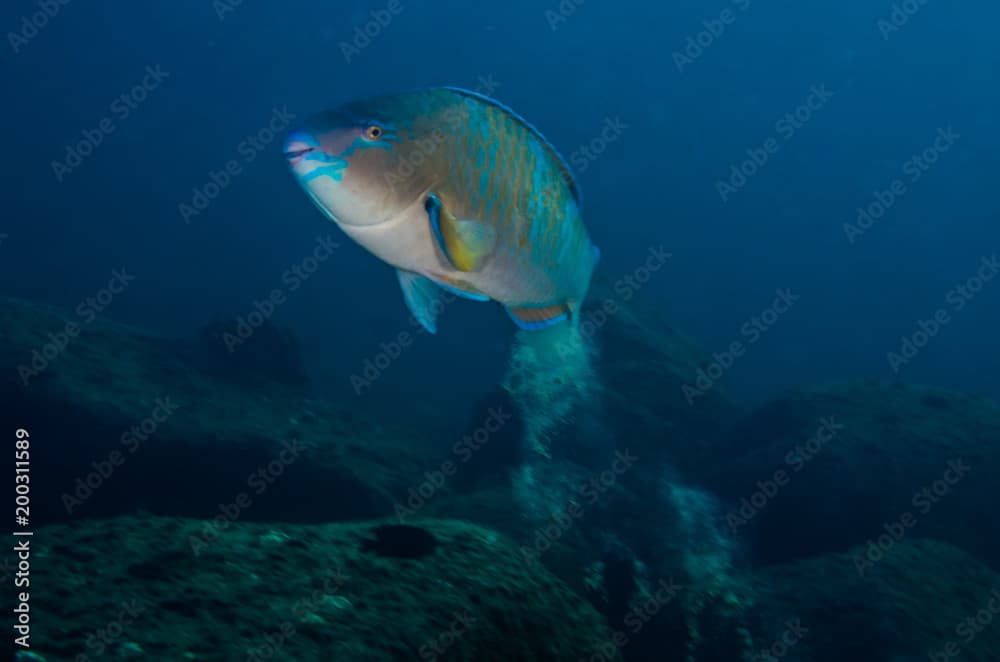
[{"x": 563, "y": 165}]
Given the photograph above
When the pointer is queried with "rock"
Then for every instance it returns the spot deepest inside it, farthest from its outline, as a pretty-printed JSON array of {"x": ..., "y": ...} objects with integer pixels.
[
  {"x": 821, "y": 470},
  {"x": 122, "y": 421},
  {"x": 181, "y": 589},
  {"x": 238, "y": 351},
  {"x": 910, "y": 606},
  {"x": 644, "y": 364}
]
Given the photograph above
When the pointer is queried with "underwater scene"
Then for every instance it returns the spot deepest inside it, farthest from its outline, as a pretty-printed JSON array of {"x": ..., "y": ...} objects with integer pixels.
[{"x": 542, "y": 330}]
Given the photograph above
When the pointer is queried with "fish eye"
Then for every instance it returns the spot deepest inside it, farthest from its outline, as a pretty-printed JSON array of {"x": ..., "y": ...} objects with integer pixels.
[{"x": 374, "y": 132}]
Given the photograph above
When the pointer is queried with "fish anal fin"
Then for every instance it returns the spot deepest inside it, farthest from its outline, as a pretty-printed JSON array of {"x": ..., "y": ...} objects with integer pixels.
[{"x": 539, "y": 318}]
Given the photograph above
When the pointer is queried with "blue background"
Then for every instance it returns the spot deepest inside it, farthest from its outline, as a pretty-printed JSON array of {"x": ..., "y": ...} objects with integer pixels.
[{"x": 654, "y": 185}]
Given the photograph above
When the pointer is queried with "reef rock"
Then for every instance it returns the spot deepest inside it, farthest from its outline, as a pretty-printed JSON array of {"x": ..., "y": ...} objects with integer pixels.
[
  {"x": 865, "y": 463},
  {"x": 167, "y": 589},
  {"x": 649, "y": 374},
  {"x": 121, "y": 420},
  {"x": 924, "y": 600}
]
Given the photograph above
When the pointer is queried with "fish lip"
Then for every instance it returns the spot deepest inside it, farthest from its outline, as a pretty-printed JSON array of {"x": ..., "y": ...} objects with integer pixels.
[
  {"x": 295, "y": 155},
  {"x": 298, "y": 144}
]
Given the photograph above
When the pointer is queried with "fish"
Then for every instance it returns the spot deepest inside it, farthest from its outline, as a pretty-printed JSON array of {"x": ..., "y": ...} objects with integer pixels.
[{"x": 459, "y": 194}]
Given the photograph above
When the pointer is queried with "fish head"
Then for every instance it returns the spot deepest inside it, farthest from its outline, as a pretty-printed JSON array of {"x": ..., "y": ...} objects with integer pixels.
[{"x": 358, "y": 165}]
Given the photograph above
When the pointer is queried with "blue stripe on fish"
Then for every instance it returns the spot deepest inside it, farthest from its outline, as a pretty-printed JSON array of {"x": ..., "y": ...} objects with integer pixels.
[
  {"x": 461, "y": 293},
  {"x": 484, "y": 183},
  {"x": 334, "y": 169},
  {"x": 480, "y": 156},
  {"x": 535, "y": 326},
  {"x": 433, "y": 207}
]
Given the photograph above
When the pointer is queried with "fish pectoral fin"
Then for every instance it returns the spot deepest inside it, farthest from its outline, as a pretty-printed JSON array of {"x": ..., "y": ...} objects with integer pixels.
[
  {"x": 422, "y": 297},
  {"x": 532, "y": 319},
  {"x": 465, "y": 243}
]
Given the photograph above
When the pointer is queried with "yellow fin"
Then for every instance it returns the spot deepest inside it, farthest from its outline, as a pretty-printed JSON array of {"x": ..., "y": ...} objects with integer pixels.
[{"x": 466, "y": 244}]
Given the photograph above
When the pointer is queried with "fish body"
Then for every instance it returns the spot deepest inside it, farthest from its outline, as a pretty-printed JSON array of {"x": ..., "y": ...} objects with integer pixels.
[{"x": 459, "y": 194}]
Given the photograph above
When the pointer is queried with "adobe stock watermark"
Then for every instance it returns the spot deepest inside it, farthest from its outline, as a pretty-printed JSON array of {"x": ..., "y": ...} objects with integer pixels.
[
  {"x": 626, "y": 287},
  {"x": 583, "y": 156},
  {"x": 590, "y": 492},
  {"x": 120, "y": 109},
  {"x": 324, "y": 597},
  {"x": 100, "y": 641},
  {"x": 224, "y": 8},
  {"x": 131, "y": 440},
  {"x": 561, "y": 13},
  {"x": 463, "y": 450},
  {"x": 629, "y": 285},
  {"x": 900, "y": 15},
  {"x": 783, "y": 644},
  {"x": 969, "y": 628},
  {"x": 258, "y": 482},
  {"x": 635, "y": 620},
  {"x": 87, "y": 310},
  {"x": 752, "y": 331},
  {"x": 247, "y": 150},
  {"x": 367, "y": 33},
  {"x": 956, "y": 299},
  {"x": 292, "y": 279},
  {"x": 796, "y": 460},
  {"x": 698, "y": 43},
  {"x": 462, "y": 622},
  {"x": 373, "y": 367},
  {"x": 32, "y": 24},
  {"x": 913, "y": 169},
  {"x": 456, "y": 117},
  {"x": 786, "y": 128},
  {"x": 923, "y": 501}
]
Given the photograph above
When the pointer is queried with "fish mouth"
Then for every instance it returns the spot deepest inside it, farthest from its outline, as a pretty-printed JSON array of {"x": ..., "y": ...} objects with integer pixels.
[
  {"x": 298, "y": 144},
  {"x": 295, "y": 153}
]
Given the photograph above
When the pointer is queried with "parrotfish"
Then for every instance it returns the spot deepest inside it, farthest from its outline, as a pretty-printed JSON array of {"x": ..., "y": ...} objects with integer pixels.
[{"x": 459, "y": 194}]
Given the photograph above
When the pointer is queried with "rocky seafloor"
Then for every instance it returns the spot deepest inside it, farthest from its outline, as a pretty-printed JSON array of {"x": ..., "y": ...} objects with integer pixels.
[{"x": 188, "y": 507}]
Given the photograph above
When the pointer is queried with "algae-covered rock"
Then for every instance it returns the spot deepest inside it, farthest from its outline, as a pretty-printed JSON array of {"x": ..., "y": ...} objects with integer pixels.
[
  {"x": 369, "y": 591},
  {"x": 924, "y": 600},
  {"x": 644, "y": 364},
  {"x": 236, "y": 350},
  {"x": 123, "y": 420},
  {"x": 820, "y": 470}
]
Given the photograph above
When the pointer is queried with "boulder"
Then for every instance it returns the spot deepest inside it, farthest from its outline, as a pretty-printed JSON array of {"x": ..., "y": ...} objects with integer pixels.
[
  {"x": 823, "y": 469},
  {"x": 924, "y": 600},
  {"x": 173, "y": 589},
  {"x": 122, "y": 420}
]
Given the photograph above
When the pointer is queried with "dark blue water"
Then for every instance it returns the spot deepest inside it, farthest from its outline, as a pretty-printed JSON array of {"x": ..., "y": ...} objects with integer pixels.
[{"x": 689, "y": 112}]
